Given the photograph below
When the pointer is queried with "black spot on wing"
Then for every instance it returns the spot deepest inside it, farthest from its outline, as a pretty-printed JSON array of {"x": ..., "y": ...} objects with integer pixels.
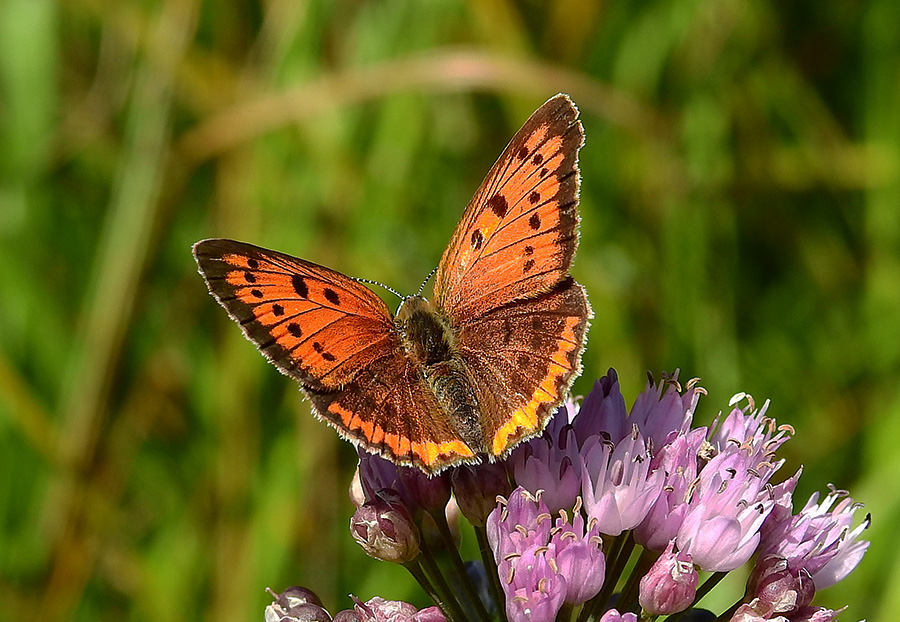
[
  {"x": 332, "y": 296},
  {"x": 300, "y": 286},
  {"x": 498, "y": 205}
]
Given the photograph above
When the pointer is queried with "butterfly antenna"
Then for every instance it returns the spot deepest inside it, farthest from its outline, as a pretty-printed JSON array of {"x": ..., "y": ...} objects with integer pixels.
[
  {"x": 427, "y": 278},
  {"x": 371, "y": 282}
]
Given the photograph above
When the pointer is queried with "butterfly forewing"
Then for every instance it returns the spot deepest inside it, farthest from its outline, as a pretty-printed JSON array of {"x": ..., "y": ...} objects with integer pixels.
[
  {"x": 313, "y": 323},
  {"x": 519, "y": 233},
  {"x": 338, "y": 339}
]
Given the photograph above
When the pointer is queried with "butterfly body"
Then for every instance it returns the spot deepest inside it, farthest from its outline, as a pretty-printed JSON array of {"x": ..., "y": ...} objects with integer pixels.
[
  {"x": 467, "y": 374},
  {"x": 430, "y": 343}
]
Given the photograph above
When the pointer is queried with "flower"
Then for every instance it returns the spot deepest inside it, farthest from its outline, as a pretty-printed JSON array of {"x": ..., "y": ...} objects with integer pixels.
[
  {"x": 603, "y": 410},
  {"x": 670, "y": 585},
  {"x": 414, "y": 488},
  {"x": 551, "y": 463},
  {"x": 296, "y": 603},
  {"x": 385, "y": 530},
  {"x": 618, "y": 485},
  {"x": 381, "y": 610},
  {"x": 599, "y": 481},
  {"x": 730, "y": 501},
  {"x": 803, "y": 553},
  {"x": 579, "y": 556},
  {"x": 614, "y": 616},
  {"x": 519, "y": 524},
  {"x": 679, "y": 460},
  {"x": 476, "y": 489},
  {"x": 534, "y": 590}
]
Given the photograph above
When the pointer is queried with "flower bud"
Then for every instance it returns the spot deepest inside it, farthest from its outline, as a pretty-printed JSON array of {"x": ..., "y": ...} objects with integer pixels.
[
  {"x": 670, "y": 585},
  {"x": 614, "y": 616},
  {"x": 296, "y": 604},
  {"x": 477, "y": 487},
  {"x": 778, "y": 589},
  {"x": 385, "y": 530}
]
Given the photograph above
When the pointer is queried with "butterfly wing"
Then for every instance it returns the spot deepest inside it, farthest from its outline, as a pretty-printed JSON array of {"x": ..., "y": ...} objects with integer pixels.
[
  {"x": 523, "y": 358},
  {"x": 518, "y": 235},
  {"x": 503, "y": 280},
  {"x": 338, "y": 340}
]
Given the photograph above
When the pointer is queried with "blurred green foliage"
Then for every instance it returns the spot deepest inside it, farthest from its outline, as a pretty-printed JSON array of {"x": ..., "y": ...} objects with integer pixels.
[{"x": 741, "y": 222}]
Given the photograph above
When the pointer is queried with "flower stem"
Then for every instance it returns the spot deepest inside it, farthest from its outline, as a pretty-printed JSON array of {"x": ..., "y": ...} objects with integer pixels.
[
  {"x": 628, "y": 598},
  {"x": 490, "y": 566},
  {"x": 415, "y": 569},
  {"x": 620, "y": 551},
  {"x": 702, "y": 591},
  {"x": 449, "y": 605},
  {"x": 440, "y": 520}
]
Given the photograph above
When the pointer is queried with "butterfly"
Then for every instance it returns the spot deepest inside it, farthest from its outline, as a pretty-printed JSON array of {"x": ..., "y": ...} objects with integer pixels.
[{"x": 470, "y": 373}]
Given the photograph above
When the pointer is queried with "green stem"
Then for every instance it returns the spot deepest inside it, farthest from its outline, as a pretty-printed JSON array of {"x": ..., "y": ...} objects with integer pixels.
[
  {"x": 440, "y": 520},
  {"x": 450, "y": 605},
  {"x": 490, "y": 566},
  {"x": 415, "y": 569},
  {"x": 628, "y": 599}
]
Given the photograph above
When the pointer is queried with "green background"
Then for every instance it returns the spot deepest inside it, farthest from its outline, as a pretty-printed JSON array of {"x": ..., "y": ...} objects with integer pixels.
[{"x": 741, "y": 222}]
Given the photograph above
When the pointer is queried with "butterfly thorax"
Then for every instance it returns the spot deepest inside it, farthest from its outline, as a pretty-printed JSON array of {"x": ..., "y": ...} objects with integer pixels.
[
  {"x": 430, "y": 343},
  {"x": 426, "y": 333}
]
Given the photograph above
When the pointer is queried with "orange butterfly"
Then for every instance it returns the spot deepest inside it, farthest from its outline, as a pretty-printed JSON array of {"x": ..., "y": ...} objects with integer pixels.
[{"x": 472, "y": 372}]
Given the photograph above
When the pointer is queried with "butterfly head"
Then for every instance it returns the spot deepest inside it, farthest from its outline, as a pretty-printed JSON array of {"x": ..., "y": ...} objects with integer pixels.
[{"x": 426, "y": 332}]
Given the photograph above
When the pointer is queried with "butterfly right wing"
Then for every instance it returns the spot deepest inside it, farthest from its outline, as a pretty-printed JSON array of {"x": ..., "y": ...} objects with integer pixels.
[{"x": 338, "y": 340}]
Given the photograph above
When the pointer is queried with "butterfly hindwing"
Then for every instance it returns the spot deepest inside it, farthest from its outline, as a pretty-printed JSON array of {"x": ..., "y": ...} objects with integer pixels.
[
  {"x": 523, "y": 358},
  {"x": 388, "y": 409}
]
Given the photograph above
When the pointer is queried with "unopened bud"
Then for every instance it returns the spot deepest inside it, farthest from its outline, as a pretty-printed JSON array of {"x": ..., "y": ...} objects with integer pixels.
[
  {"x": 779, "y": 590},
  {"x": 670, "y": 585},
  {"x": 385, "y": 530}
]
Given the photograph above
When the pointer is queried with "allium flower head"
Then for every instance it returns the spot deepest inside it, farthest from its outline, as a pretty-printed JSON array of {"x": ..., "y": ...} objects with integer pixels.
[{"x": 597, "y": 479}]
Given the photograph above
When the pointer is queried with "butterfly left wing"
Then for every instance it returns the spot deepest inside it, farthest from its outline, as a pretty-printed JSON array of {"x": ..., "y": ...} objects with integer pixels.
[{"x": 338, "y": 340}]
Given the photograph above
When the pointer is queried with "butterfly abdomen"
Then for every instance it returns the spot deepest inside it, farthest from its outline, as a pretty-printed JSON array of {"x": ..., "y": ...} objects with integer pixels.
[{"x": 429, "y": 342}]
